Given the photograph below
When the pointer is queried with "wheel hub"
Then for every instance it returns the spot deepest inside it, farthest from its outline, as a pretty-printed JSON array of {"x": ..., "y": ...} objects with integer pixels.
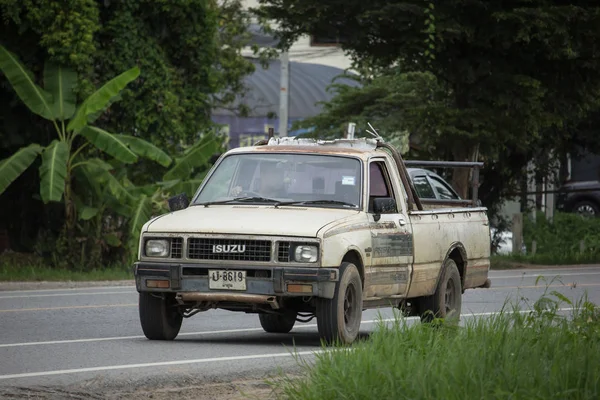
[
  {"x": 349, "y": 304},
  {"x": 449, "y": 297}
]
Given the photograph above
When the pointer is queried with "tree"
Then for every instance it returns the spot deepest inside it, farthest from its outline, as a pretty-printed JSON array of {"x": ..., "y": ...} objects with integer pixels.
[
  {"x": 516, "y": 73},
  {"x": 57, "y": 104},
  {"x": 112, "y": 210},
  {"x": 189, "y": 56},
  {"x": 392, "y": 101},
  {"x": 188, "y": 52}
]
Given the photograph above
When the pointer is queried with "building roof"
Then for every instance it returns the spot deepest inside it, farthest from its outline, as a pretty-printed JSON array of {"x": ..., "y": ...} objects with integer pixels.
[{"x": 308, "y": 86}]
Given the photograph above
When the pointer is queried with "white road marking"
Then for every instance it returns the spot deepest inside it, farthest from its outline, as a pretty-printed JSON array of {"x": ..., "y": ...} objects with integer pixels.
[
  {"x": 156, "y": 364},
  {"x": 28, "y": 296},
  {"x": 240, "y": 330},
  {"x": 551, "y": 275},
  {"x": 86, "y": 288},
  {"x": 195, "y": 361},
  {"x": 12, "y": 310}
]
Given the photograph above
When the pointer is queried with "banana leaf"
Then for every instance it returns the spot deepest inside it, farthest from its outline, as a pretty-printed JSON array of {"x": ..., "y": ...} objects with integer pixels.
[
  {"x": 195, "y": 157},
  {"x": 34, "y": 97},
  {"x": 12, "y": 167},
  {"x": 101, "y": 99},
  {"x": 60, "y": 82},
  {"x": 53, "y": 171},
  {"x": 109, "y": 143},
  {"x": 146, "y": 149}
]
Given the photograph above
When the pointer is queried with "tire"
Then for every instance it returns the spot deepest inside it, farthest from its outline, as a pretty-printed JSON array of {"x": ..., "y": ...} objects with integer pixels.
[
  {"x": 586, "y": 208},
  {"x": 338, "y": 319},
  {"x": 277, "y": 323},
  {"x": 159, "y": 317},
  {"x": 446, "y": 302}
]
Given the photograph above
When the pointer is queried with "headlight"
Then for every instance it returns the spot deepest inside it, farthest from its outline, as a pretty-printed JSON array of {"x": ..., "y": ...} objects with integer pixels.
[
  {"x": 306, "y": 253},
  {"x": 157, "y": 248}
]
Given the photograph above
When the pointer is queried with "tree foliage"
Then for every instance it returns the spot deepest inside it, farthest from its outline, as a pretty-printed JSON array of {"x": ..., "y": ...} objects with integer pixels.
[
  {"x": 188, "y": 53},
  {"x": 515, "y": 78}
]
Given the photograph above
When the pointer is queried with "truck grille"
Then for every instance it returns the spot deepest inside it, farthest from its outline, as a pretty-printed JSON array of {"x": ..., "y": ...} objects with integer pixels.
[
  {"x": 283, "y": 252},
  {"x": 176, "y": 247},
  {"x": 229, "y": 249}
]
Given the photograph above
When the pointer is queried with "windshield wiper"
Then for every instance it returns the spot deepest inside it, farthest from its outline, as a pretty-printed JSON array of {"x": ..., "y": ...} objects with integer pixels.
[
  {"x": 239, "y": 199},
  {"x": 342, "y": 203}
]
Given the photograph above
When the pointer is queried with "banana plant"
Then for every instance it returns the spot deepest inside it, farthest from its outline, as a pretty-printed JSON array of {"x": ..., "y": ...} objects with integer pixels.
[
  {"x": 57, "y": 103},
  {"x": 104, "y": 189}
]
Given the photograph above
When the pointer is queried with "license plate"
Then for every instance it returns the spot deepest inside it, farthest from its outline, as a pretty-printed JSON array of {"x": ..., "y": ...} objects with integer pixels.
[{"x": 226, "y": 280}]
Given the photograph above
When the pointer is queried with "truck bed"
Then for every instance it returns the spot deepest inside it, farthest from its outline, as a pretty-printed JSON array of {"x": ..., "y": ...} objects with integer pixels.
[{"x": 454, "y": 229}]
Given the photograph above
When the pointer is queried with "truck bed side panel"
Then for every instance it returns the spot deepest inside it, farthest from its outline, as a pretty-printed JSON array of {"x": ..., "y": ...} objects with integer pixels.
[{"x": 435, "y": 233}]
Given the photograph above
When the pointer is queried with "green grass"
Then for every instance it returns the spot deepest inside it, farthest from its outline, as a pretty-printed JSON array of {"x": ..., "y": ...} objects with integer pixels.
[
  {"x": 41, "y": 273},
  {"x": 512, "y": 355}
]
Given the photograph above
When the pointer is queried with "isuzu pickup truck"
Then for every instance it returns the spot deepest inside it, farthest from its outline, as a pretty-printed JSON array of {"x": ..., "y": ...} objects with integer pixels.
[{"x": 292, "y": 229}]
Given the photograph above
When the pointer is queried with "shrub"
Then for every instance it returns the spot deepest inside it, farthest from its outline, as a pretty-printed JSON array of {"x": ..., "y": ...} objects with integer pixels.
[
  {"x": 540, "y": 354},
  {"x": 559, "y": 240}
]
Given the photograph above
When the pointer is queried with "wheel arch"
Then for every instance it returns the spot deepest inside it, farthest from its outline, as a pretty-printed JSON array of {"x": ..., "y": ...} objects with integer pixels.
[
  {"x": 582, "y": 198},
  {"x": 353, "y": 256},
  {"x": 458, "y": 254}
]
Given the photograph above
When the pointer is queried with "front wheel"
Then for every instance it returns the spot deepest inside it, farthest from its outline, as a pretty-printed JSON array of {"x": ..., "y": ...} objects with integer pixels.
[
  {"x": 446, "y": 302},
  {"x": 159, "y": 316},
  {"x": 338, "y": 319}
]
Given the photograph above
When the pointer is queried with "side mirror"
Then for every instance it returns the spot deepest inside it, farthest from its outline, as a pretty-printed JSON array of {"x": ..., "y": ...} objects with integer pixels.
[
  {"x": 178, "y": 202},
  {"x": 384, "y": 205}
]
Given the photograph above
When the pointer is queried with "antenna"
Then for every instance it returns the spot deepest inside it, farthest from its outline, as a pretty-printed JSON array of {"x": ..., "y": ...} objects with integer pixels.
[{"x": 374, "y": 133}]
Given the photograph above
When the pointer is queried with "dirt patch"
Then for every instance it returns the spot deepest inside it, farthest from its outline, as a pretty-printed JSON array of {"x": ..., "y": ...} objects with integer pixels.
[
  {"x": 237, "y": 390},
  {"x": 240, "y": 389}
]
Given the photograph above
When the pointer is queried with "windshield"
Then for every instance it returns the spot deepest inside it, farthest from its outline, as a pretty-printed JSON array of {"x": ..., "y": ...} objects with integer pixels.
[{"x": 323, "y": 180}]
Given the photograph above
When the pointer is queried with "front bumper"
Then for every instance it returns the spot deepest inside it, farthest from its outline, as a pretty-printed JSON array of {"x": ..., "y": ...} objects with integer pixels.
[{"x": 260, "y": 280}]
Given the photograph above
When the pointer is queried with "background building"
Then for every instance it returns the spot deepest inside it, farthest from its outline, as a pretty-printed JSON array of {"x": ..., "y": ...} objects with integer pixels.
[{"x": 313, "y": 65}]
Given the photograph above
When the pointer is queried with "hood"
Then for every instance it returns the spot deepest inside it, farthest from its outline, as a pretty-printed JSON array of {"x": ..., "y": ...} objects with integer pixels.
[
  {"x": 248, "y": 220},
  {"x": 581, "y": 184}
]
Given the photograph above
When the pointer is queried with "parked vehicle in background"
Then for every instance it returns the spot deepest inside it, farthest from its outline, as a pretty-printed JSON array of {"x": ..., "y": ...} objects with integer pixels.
[
  {"x": 580, "y": 197},
  {"x": 430, "y": 185}
]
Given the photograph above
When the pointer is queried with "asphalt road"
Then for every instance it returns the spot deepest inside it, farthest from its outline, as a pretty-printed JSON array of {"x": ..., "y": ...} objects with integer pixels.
[{"x": 90, "y": 336}]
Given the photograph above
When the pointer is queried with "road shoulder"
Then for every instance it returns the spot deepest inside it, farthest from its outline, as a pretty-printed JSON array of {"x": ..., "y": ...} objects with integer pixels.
[{"x": 49, "y": 285}]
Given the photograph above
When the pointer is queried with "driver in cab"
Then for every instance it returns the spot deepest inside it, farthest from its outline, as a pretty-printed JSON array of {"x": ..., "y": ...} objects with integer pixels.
[{"x": 271, "y": 182}]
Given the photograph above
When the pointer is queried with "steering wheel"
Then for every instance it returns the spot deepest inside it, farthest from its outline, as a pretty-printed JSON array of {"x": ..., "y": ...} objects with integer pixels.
[{"x": 248, "y": 193}]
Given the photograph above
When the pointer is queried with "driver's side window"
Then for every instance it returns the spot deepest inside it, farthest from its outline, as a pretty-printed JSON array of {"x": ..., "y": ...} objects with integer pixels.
[
  {"x": 379, "y": 183},
  {"x": 221, "y": 180}
]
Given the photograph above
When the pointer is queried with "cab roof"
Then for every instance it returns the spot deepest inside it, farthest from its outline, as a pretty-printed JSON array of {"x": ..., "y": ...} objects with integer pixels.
[{"x": 361, "y": 147}]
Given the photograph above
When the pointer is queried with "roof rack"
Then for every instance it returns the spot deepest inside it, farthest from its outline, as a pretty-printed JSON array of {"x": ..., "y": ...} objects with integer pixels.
[{"x": 358, "y": 143}]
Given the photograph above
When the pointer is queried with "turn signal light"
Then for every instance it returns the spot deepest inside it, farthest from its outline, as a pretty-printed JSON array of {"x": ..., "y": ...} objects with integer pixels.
[
  {"x": 293, "y": 288},
  {"x": 157, "y": 284}
]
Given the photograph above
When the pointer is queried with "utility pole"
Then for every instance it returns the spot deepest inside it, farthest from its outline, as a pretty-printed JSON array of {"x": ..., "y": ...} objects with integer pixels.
[{"x": 284, "y": 94}]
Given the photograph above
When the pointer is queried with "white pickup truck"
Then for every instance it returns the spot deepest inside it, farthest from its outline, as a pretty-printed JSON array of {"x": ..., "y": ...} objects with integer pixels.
[{"x": 293, "y": 229}]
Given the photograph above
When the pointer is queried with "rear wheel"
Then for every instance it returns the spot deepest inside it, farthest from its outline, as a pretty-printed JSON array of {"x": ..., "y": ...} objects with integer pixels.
[
  {"x": 446, "y": 302},
  {"x": 338, "y": 319},
  {"x": 586, "y": 208},
  {"x": 277, "y": 323},
  {"x": 159, "y": 316}
]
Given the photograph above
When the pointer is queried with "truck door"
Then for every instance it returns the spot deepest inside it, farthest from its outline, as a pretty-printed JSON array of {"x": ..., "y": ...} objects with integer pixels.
[{"x": 391, "y": 237}]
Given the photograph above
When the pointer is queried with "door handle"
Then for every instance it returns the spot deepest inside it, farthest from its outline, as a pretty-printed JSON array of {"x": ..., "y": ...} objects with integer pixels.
[{"x": 402, "y": 221}]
